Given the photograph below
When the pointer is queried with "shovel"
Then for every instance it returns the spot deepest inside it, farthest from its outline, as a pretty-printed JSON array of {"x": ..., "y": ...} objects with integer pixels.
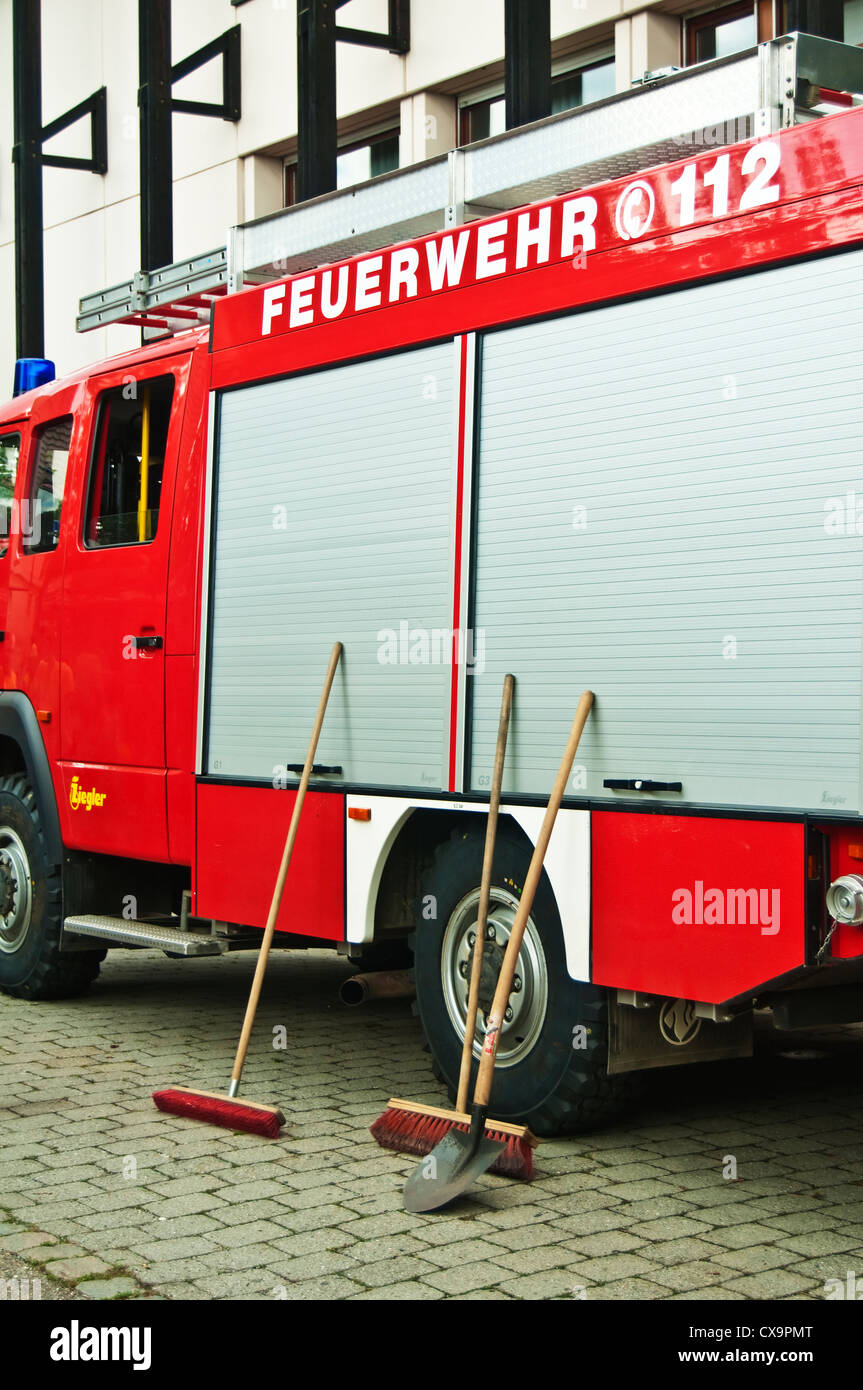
[{"x": 461, "y": 1157}]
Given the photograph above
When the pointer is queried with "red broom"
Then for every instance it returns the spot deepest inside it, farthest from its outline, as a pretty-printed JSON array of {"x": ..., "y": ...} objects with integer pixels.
[
  {"x": 212, "y": 1106},
  {"x": 416, "y": 1129}
]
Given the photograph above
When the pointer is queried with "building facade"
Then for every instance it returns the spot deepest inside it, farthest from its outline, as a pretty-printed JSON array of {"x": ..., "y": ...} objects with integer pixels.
[{"x": 393, "y": 110}]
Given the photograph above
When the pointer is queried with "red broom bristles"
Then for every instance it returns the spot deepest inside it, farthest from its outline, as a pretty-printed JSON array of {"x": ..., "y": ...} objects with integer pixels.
[
  {"x": 406, "y": 1132},
  {"x": 230, "y": 1114}
]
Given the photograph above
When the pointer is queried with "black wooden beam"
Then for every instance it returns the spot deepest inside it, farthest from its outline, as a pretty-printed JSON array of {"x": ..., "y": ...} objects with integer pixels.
[
  {"x": 527, "y": 44},
  {"x": 317, "y": 128},
  {"x": 154, "y": 102},
  {"x": 27, "y": 157},
  {"x": 226, "y": 46},
  {"x": 823, "y": 18},
  {"x": 95, "y": 107},
  {"x": 317, "y": 131},
  {"x": 397, "y": 39}
]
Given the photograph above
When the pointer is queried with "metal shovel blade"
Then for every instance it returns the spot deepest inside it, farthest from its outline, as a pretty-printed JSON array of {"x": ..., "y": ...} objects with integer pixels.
[{"x": 449, "y": 1169}]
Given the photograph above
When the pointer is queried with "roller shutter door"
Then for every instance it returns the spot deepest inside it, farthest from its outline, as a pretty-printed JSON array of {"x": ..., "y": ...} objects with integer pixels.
[
  {"x": 666, "y": 513},
  {"x": 333, "y": 501}
]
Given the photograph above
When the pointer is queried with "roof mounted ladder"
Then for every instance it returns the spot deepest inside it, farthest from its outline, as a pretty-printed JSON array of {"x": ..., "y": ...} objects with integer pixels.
[{"x": 166, "y": 300}]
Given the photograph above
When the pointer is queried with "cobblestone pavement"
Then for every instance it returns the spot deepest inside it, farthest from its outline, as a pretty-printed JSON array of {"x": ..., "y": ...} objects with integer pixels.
[{"x": 102, "y": 1192}]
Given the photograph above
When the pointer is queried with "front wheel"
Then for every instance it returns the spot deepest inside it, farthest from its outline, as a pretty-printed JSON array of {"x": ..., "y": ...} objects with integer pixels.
[
  {"x": 551, "y": 1071},
  {"x": 31, "y": 915}
]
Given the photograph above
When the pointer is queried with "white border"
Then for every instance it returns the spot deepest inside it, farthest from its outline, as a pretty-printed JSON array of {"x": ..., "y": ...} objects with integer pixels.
[
  {"x": 205, "y": 579},
  {"x": 567, "y": 863}
]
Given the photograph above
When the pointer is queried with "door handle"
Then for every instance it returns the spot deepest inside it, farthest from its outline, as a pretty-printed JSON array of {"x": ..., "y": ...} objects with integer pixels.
[
  {"x": 148, "y": 644},
  {"x": 640, "y": 784},
  {"x": 318, "y": 769}
]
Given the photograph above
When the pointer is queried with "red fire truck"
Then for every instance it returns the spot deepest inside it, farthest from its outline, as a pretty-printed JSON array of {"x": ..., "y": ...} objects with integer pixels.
[{"x": 609, "y": 438}]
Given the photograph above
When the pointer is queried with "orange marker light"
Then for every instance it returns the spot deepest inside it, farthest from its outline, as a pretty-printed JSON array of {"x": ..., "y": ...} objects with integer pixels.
[
  {"x": 359, "y": 813},
  {"x": 44, "y": 716},
  {"x": 855, "y": 851}
]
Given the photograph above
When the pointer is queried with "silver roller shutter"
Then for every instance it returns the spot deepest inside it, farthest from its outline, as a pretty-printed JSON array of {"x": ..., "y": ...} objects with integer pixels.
[
  {"x": 333, "y": 501},
  {"x": 709, "y": 591}
]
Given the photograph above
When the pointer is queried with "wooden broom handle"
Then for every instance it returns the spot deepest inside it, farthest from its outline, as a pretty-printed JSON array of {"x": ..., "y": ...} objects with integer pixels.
[
  {"x": 484, "y": 893},
  {"x": 516, "y": 936},
  {"x": 276, "y": 903}
]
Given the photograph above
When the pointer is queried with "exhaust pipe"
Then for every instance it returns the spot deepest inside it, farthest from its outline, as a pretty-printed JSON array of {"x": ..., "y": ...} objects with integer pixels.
[{"x": 378, "y": 984}]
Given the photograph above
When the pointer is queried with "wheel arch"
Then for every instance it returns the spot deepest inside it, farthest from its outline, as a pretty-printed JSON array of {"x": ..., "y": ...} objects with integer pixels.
[
  {"x": 387, "y": 857},
  {"x": 22, "y": 749}
]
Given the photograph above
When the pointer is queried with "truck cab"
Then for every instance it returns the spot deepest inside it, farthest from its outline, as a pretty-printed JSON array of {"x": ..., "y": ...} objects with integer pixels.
[{"x": 100, "y": 476}]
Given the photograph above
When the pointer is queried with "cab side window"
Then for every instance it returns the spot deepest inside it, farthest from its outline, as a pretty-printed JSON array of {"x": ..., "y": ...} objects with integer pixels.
[
  {"x": 47, "y": 483},
  {"x": 125, "y": 486},
  {"x": 10, "y": 448}
]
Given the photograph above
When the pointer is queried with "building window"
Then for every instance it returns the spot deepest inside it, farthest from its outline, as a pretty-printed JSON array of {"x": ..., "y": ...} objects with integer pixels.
[
  {"x": 486, "y": 116},
  {"x": 854, "y": 22},
  {"x": 721, "y": 33},
  {"x": 357, "y": 161},
  {"x": 123, "y": 506}
]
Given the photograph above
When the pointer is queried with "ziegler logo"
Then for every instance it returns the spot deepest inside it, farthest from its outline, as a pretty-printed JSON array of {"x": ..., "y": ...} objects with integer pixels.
[{"x": 79, "y": 798}]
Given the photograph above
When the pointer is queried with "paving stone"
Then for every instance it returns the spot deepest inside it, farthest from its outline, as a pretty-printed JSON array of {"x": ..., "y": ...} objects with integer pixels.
[
  {"x": 819, "y": 1243},
  {"x": 671, "y": 1228},
  {"x": 516, "y": 1216},
  {"x": 464, "y": 1278},
  {"x": 64, "y": 1251},
  {"x": 706, "y": 1295},
  {"x": 106, "y": 1288},
  {"x": 525, "y": 1237},
  {"x": 744, "y": 1233},
  {"x": 753, "y": 1259},
  {"x": 635, "y": 1191},
  {"x": 449, "y": 1256},
  {"x": 606, "y": 1243},
  {"x": 699, "y": 1274},
  {"x": 328, "y": 1289},
  {"x": 550, "y": 1283},
  {"x": 379, "y": 1274},
  {"x": 541, "y": 1257},
  {"x": 633, "y": 1289},
  {"x": 251, "y": 1233},
  {"x": 75, "y": 1268},
  {"x": 773, "y": 1283},
  {"x": 317, "y": 1217},
  {"x": 242, "y": 1257},
  {"x": 160, "y": 1251},
  {"x": 26, "y": 1240},
  {"x": 292, "y": 1271},
  {"x": 637, "y": 1212},
  {"x": 686, "y": 1250},
  {"x": 606, "y": 1268}
]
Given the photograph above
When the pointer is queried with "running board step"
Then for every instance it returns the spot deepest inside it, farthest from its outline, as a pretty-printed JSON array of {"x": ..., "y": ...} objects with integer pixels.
[{"x": 123, "y": 932}]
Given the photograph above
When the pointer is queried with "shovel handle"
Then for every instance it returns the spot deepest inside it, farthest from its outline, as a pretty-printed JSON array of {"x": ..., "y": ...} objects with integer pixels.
[
  {"x": 275, "y": 904},
  {"x": 516, "y": 936},
  {"x": 484, "y": 892}
]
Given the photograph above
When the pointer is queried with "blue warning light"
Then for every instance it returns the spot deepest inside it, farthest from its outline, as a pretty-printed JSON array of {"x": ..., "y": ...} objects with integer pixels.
[{"x": 30, "y": 372}]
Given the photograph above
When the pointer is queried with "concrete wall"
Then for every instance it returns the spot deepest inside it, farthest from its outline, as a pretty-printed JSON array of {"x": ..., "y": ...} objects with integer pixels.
[{"x": 225, "y": 173}]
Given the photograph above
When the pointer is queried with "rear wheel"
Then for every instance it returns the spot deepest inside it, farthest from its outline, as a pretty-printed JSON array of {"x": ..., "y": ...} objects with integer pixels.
[
  {"x": 551, "y": 1070},
  {"x": 31, "y": 919}
]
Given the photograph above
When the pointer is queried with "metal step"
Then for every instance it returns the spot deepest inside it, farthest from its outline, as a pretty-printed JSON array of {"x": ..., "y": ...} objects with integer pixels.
[{"x": 121, "y": 932}]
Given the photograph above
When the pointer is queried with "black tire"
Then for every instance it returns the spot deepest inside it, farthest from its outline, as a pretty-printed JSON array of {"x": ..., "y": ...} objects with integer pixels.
[
  {"x": 546, "y": 1081},
  {"x": 31, "y": 908}
]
